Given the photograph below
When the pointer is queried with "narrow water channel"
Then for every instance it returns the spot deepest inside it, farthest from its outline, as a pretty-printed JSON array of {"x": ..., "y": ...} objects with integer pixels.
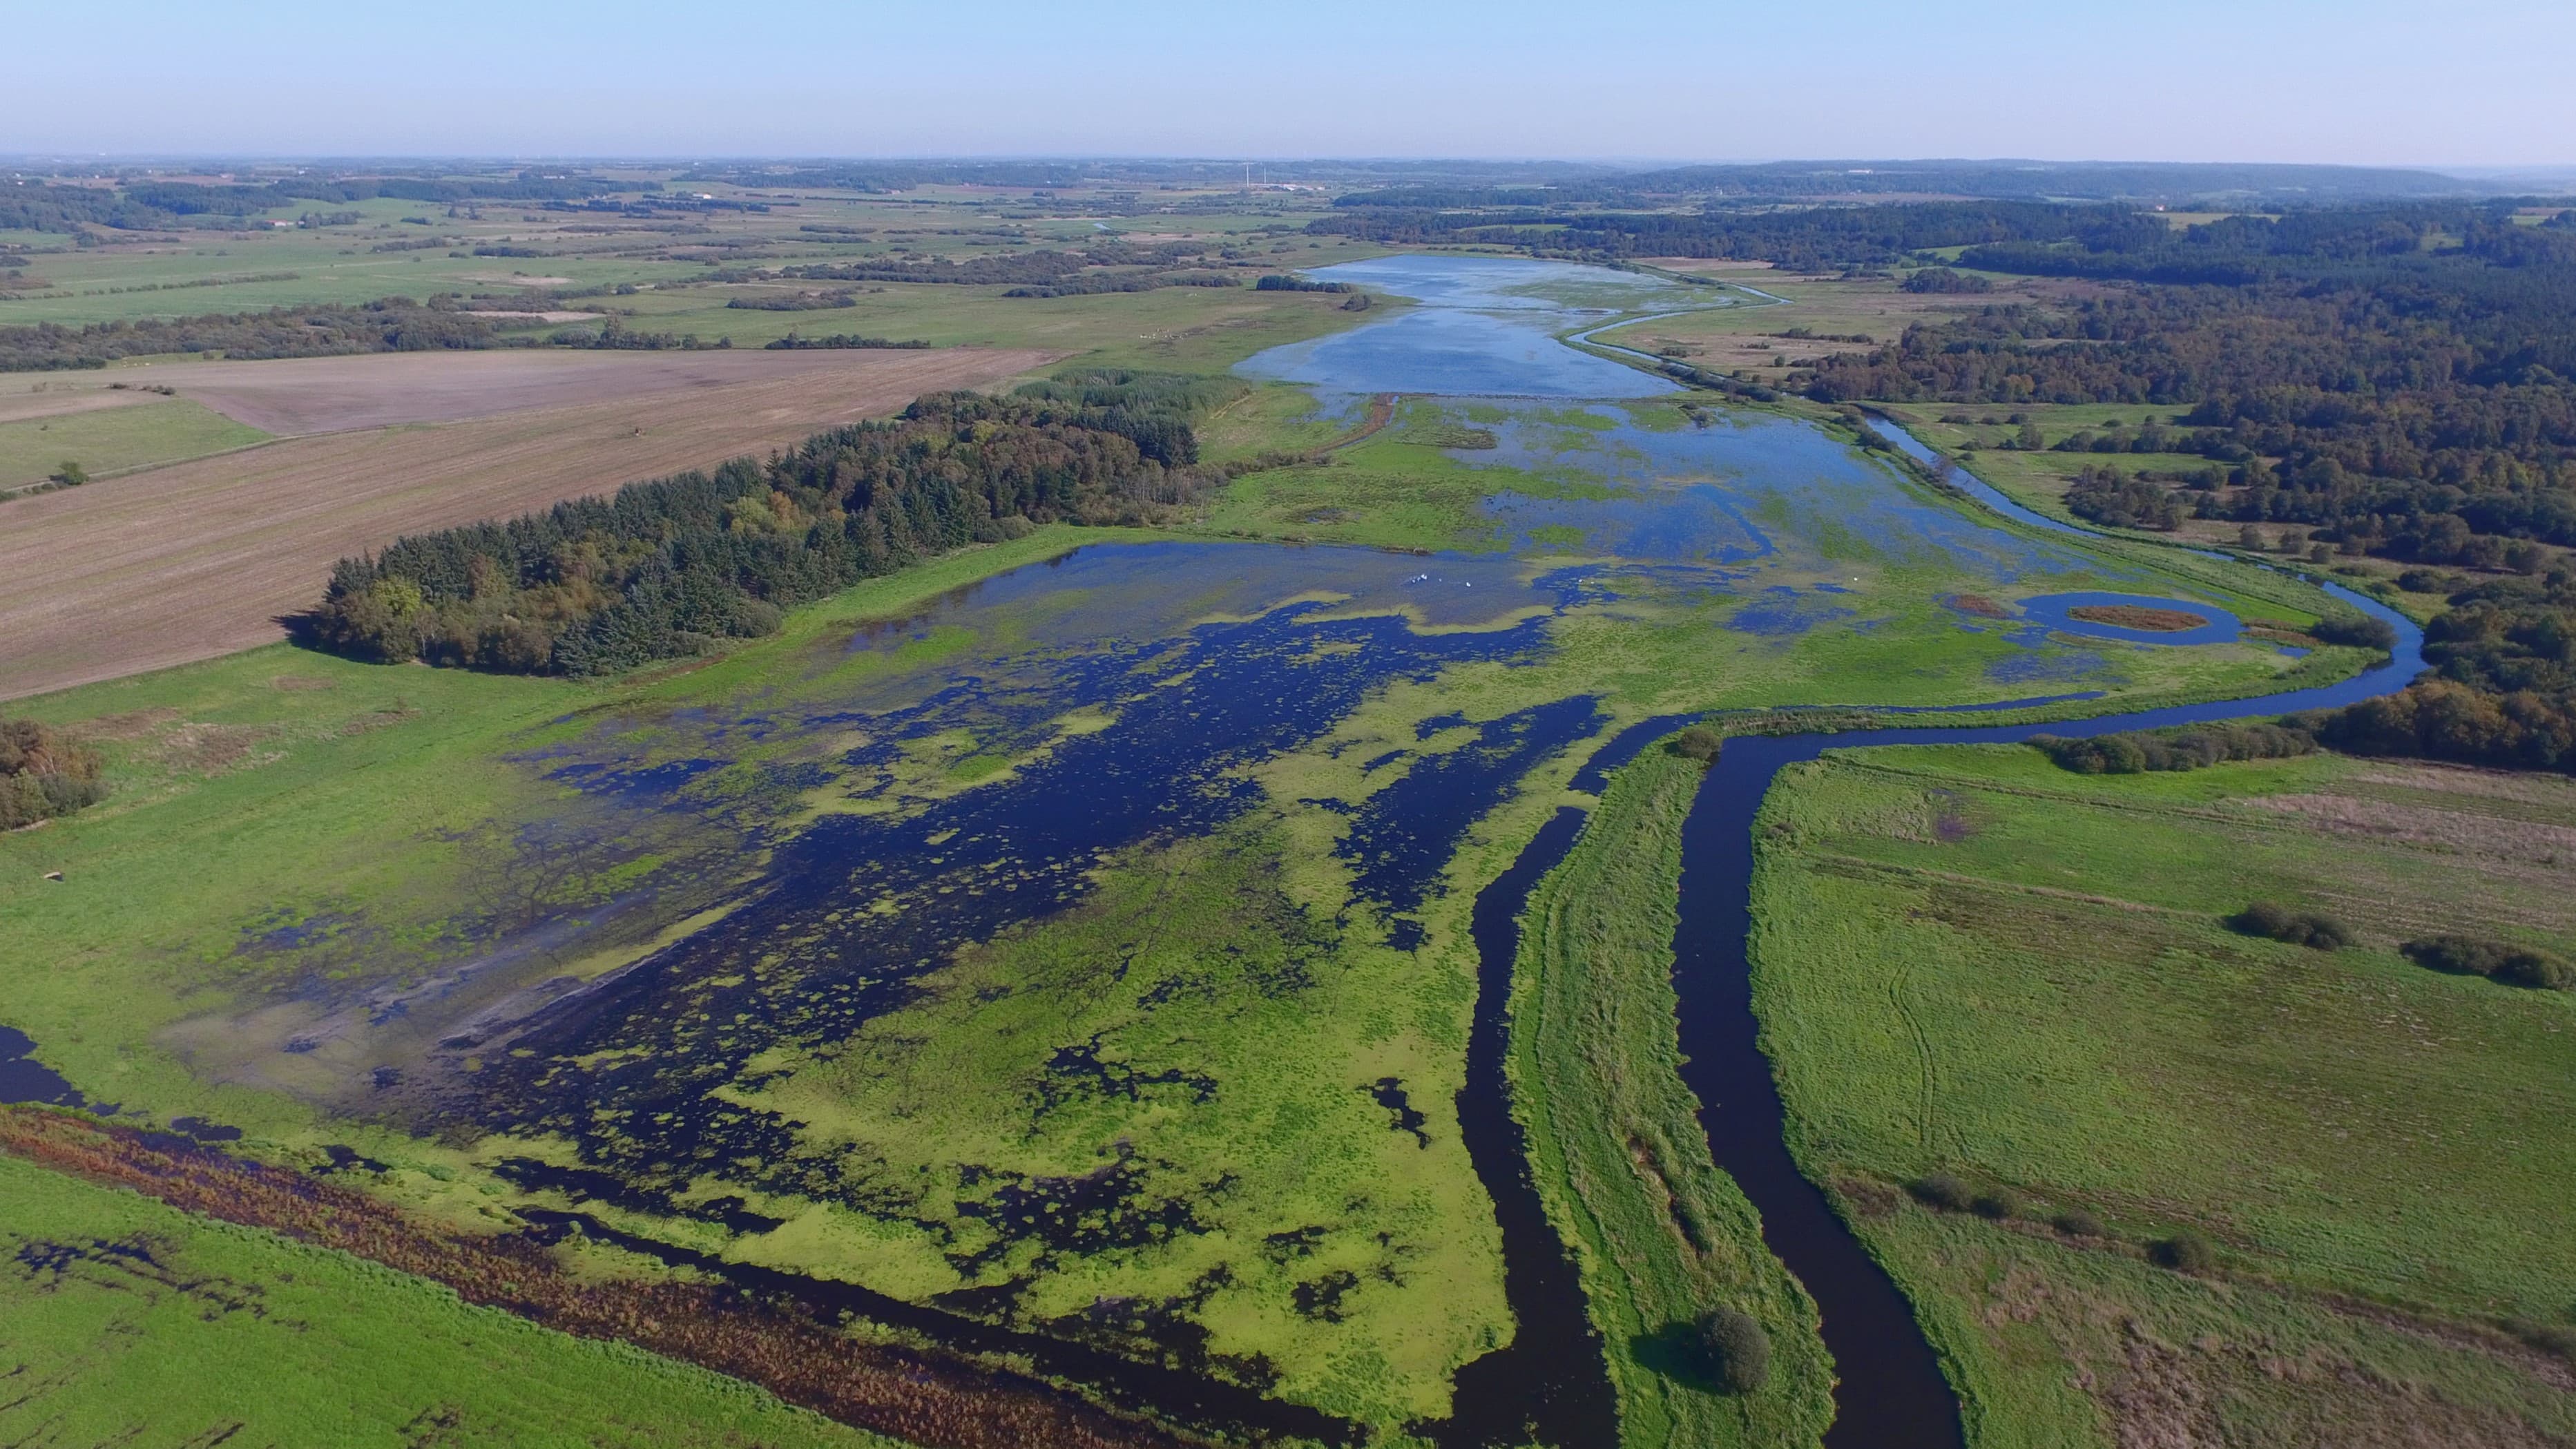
[
  {"x": 1891, "y": 1394},
  {"x": 1550, "y": 1381}
]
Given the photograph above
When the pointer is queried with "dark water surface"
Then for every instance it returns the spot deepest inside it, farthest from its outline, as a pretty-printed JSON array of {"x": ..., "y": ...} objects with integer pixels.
[
  {"x": 1209, "y": 658},
  {"x": 1892, "y": 1394},
  {"x": 23, "y": 1079}
]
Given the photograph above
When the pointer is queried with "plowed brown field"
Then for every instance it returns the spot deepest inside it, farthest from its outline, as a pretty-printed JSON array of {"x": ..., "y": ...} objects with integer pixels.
[
  {"x": 294, "y": 396},
  {"x": 202, "y": 558}
]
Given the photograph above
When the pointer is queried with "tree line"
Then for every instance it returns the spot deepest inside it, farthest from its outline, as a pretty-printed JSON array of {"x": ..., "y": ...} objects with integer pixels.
[
  {"x": 2499, "y": 690},
  {"x": 2402, "y": 381},
  {"x": 667, "y": 567},
  {"x": 148, "y": 204},
  {"x": 393, "y": 324}
]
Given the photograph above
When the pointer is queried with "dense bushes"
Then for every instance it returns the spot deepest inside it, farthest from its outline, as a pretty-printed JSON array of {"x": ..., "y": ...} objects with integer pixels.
[
  {"x": 1945, "y": 279},
  {"x": 2313, "y": 929},
  {"x": 43, "y": 774},
  {"x": 1734, "y": 1352},
  {"x": 1280, "y": 282},
  {"x": 1699, "y": 742},
  {"x": 1942, "y": 1190},
  {"x": 665, "y": 568},
  {"x": 2503, "y": 690},
  {"x": 846, "y": 340},
  {"x": 2495, "y": 960},
  {"x": 2185, "y": 1252},
  {"x": 2360, "y": 631},
  {"x": 2109, "y": 497},
  {"x": 2189, "y": 747},
  {"x": 2439, "y": 719},
  {"x": 798, "y": 302}
]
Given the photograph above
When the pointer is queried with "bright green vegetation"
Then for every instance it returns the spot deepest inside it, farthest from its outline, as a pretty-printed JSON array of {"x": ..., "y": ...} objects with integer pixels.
[
  {"x": 1969, "y": 961},
  {"x": 377, "y": 814},
  {"x": 115, "y": 439},
  {"x": 1237, "y": 1033},
  {"x": 125, "y": 1321},
  {"x": 292, "y": 833},
  {"x": 1661, "y": 1235},
  {"x": 344, "y": 782}
]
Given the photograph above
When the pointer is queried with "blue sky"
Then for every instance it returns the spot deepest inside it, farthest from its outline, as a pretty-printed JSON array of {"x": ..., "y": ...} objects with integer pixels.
[{"x": 2467, "y": 82}]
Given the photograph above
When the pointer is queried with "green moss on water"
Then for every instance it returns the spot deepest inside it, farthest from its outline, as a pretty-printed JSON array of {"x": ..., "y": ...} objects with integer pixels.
[{"x": 1230, "y": 1012}]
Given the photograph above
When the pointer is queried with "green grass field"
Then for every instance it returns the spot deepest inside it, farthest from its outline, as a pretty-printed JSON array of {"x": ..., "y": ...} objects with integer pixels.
[
  {"x": 123, "y": 1321},
  {"x": 1971, "y": 962},
  {"x": 114, "y": 440},
  {"x": 1660, "y": 1234},
  {"x": 289, "y": 829},
  {"x": 253, "y": 265}
]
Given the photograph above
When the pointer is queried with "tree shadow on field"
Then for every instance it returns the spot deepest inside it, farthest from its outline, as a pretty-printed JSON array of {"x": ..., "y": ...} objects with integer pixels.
[{"x": 1674, "y": 1351}]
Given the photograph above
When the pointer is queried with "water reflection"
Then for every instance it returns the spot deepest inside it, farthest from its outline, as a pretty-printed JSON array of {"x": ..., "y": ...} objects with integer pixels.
[{"x": 1480, "y": 326}]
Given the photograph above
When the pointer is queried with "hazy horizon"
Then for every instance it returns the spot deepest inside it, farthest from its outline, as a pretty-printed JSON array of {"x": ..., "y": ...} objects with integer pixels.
[{"x": 2473, "y": 86}]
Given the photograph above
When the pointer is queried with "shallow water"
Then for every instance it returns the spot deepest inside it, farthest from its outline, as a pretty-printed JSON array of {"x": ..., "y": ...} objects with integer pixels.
[
  {"x": 1742, "y": 487},
  {"x": 1480, "y": 326},
  {"x": 2053, "y": 611},
  {"x": 1892, "y": 1395},
  {"x": 1196, "y": 661}
]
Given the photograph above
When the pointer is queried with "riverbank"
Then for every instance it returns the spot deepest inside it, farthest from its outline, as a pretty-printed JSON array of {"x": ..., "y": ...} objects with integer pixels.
[{"x": 1661, "y": 1235}]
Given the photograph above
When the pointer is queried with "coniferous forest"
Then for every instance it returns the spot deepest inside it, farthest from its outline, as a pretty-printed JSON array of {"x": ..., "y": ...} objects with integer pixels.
[{"x": 669, "y": 566}]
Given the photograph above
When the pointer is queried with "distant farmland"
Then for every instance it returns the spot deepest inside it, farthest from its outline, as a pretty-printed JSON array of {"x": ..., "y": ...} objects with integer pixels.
[{"x": 201, "y": 558}]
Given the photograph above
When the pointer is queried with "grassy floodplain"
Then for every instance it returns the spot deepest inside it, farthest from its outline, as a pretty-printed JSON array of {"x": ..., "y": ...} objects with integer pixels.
[
  {"x": 127, "y": 1321},
  {"x": 1265, "y": 1079},
  {"x": 1971, "y": 962}
]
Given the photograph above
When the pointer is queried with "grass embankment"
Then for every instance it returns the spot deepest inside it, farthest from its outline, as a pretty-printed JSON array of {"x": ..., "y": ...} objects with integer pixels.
[
  {"x": 1970, "y": 962},
  {"x": 126, "y": 1321},
  {"x": 1660, "y": 1234}
]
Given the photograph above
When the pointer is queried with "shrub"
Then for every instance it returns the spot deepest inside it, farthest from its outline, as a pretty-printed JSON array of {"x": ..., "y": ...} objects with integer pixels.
[
  {"x": 43, "y": 774},
  {"x": 2077, "y": 1223},
  {"x": 2185, "y": 1252},
  {"x": 1734, "y": 1351},
  {"x": 2107, "y": 497},
  {"x": 2541, "y": 973},
  {"x": 2495, "y": 960},
  {"x": 1998, "y": 1204},
  {"x": 2300, "y": 928},
  {"x": 2191, "y": 747},
  {"x": 1941, "y": 1190},
  {"x": 1945, "y": 279},
  {"x": 2359, "y": 630},
  {"x": 1699, "y": 742},
  {"x": 71, "y": 474}
]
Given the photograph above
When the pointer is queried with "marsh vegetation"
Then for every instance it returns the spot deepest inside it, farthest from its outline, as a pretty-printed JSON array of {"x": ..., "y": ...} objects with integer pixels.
[{"x": 1038, "y": 902}]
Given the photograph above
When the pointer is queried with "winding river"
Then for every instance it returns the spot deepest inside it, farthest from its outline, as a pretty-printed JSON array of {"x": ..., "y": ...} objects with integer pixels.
[
  {"x": 1891, "y": 1393},
  {"x": 1260, "y": 682}
]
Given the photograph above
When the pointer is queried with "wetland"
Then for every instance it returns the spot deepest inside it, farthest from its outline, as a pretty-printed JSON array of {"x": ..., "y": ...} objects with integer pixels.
[{"x": 1102, "y": 941}]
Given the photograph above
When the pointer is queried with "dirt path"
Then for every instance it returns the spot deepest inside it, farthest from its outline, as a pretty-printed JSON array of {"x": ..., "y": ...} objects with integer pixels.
[{"x": 201, "y": 558}]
